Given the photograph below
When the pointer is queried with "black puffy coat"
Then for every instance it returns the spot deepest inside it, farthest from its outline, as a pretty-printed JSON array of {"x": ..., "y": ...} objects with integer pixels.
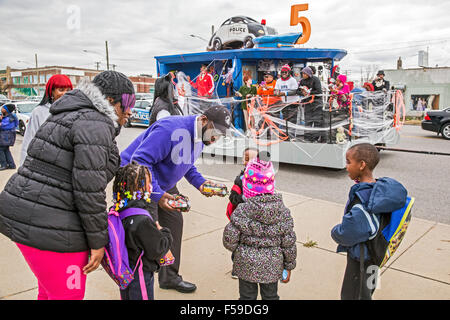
[{"x": 57, "y": 200}]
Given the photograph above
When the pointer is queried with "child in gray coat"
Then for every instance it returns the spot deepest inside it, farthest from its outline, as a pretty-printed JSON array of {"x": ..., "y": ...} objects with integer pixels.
[{"x": 261, "y": 235}]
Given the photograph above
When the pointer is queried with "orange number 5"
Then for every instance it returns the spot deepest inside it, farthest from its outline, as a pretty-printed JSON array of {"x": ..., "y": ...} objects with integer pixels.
[{"x": 295, "y": 20}]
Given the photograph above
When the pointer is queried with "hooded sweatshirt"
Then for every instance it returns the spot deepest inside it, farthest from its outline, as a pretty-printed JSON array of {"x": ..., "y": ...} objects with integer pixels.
[
  {"x": 361, "y": 221},
  {"x": 37, "y": 118},
  {"x": 261, "y": 235}
]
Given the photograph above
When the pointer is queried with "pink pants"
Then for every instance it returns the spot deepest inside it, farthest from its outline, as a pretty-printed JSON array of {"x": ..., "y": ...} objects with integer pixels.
[{"x": 60, "y": 275}]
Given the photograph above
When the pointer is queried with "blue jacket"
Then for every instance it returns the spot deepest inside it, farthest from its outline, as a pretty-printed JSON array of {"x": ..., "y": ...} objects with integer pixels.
[
  {"x": 9, "y": 122},
  {"x": 361, "y": 222},
  {"x": 168, "y": 149}
]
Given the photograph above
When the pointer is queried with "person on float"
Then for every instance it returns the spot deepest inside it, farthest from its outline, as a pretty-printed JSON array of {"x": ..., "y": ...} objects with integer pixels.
[
  {"x": 55, "y": 88},
  {"x": 266, "y": 90},
  {"x": 204, "y": 83},
  {"x": 283, "y": 87},
  {"x": 54, "y": 207},
  {"x": 310, "y": 86},
  {"x": 170, "y": 148},
  {"x": 246, "y": 92},
  {"x": 380, "y": 84}
]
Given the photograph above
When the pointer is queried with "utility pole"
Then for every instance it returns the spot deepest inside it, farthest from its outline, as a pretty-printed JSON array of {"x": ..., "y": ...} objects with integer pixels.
[
  {"x": 107, "y": 56},
  {"x": 37, "y": 72},
  {"x": 98, "y": 64}
]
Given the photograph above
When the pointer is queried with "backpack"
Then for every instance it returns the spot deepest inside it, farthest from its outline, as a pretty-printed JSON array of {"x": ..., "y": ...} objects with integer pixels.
[
  {"x": 383, "y": 244},
  {"x": 231, "y": 207},
  {"x": 115, "y": 261},
  {"x": 390, "y": 234}
]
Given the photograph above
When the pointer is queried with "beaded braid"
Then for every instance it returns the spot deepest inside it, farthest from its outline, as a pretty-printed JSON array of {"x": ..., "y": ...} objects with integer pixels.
[{"x": 130, "y": 184}]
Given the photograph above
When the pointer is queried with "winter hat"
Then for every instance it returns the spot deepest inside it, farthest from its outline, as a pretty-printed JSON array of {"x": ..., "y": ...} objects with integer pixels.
[
  {"x": 308, "y": 71},
  {"x": 286, "y": 67},
  {"x": 259, "y": 178},
  {"x": 342, "y": 78},
  {"x": 115, "y": 85},
  {"x": 9, "y": 108}
]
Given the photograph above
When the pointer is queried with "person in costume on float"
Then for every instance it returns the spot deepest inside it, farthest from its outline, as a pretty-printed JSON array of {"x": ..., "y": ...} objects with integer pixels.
[
  {"x": 380, "y": 84},
  {"x": 55, "y": 88},
  {"x": 54, "y": 207},
  {"x": 246, "y": 92},
  {"x": 204, "y": 83},
  {"x": 283, "y": 86},
  {"x": 163, "y": 101},
  {"x": 266, "y": 90},
  {"x": 310, "y": 86},
  {"x": 169, "y": 148}
]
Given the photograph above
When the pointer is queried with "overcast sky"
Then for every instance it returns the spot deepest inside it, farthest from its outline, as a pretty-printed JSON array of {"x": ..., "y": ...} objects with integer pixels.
[{"x": 375, "y": 33}]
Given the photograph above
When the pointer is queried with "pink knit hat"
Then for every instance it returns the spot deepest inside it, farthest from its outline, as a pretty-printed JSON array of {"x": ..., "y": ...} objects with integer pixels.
[
  {"x": 259, "y": 178},
  {"x": 342, "y": 78}
]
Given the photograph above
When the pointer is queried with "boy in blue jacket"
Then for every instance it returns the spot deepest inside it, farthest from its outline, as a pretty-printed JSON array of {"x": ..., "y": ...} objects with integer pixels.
[
  {"x": 8, "y": 124},
  {"x": 368, "y": 199}
]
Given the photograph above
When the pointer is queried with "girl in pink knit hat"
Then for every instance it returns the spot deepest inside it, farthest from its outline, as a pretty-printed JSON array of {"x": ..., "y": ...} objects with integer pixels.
[
  {"x": 261, "y": 235},
  {"x": 341, "y": 91}
]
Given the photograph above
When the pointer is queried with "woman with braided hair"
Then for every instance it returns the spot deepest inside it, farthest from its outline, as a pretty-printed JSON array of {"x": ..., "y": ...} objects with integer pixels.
[{"x": 54, "y": 207}]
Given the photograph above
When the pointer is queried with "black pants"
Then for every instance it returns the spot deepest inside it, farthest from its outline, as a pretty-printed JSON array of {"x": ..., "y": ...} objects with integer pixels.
[
  {"x": 289, "y": 113},
  {"x": 168, "y": 275},
  {"x": 352, "y": 280},
  {"x": 134, "y": 290},
  {"x": 314, "y": 118},
  {"x": 249, "y": 290}
]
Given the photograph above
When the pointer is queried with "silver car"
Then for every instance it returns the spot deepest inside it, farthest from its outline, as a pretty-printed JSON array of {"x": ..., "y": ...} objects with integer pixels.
[{"x": 238, "y": 32}]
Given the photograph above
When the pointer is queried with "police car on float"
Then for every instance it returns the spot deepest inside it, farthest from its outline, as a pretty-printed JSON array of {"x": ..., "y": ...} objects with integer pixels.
[
  {"x": 140, "y": 113},
  {"x": 238, "y": 32}
]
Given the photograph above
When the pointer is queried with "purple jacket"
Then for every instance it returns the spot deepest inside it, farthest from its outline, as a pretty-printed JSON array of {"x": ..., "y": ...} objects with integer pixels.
[{"x": 168, "y": 149}]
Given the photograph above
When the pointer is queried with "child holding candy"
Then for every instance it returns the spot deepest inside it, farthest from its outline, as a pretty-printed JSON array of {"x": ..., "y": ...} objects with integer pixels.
[{"x": 236, "y": 196}]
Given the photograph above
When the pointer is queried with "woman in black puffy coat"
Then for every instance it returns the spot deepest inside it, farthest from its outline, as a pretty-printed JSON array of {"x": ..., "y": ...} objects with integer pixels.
[{"x": 54, "y": 207}]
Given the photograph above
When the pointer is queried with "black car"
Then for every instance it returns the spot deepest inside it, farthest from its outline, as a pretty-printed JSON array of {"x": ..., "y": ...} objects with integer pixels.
[{"x": 438, "y": 121}]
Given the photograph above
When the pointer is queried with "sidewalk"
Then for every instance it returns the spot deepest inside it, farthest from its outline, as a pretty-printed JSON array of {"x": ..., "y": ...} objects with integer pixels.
[{"x": 420, "y": 269}]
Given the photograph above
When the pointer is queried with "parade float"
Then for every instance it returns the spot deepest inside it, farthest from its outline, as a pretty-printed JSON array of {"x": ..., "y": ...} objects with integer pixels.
[{"x": 374, "y": 117}]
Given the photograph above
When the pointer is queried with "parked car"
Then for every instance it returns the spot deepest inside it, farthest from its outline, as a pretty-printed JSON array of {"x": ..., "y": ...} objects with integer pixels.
[
  {"x": 140, "y": 113},
  {"x": 238, "y": 32},
  {"x": 3, "y": 100},
  {"x": 23, "y": 111},
  {"x": 438, "y": 121},
  {"x": 144, "y": 96}
]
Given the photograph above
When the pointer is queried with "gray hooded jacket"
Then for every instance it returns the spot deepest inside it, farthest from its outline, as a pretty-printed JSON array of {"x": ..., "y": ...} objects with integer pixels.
[
  {"x": 57, "y": 201},
  {"x": 261, "y": 235}
]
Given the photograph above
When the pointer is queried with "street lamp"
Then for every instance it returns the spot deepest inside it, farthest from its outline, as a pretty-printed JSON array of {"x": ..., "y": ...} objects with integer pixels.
[{"x": 195, "y": 36}]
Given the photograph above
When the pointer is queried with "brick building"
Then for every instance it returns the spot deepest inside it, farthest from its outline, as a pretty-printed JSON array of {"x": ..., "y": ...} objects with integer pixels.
[
  {"x": 22, "y": 83},
  {"x": 143, "y": 83}
]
